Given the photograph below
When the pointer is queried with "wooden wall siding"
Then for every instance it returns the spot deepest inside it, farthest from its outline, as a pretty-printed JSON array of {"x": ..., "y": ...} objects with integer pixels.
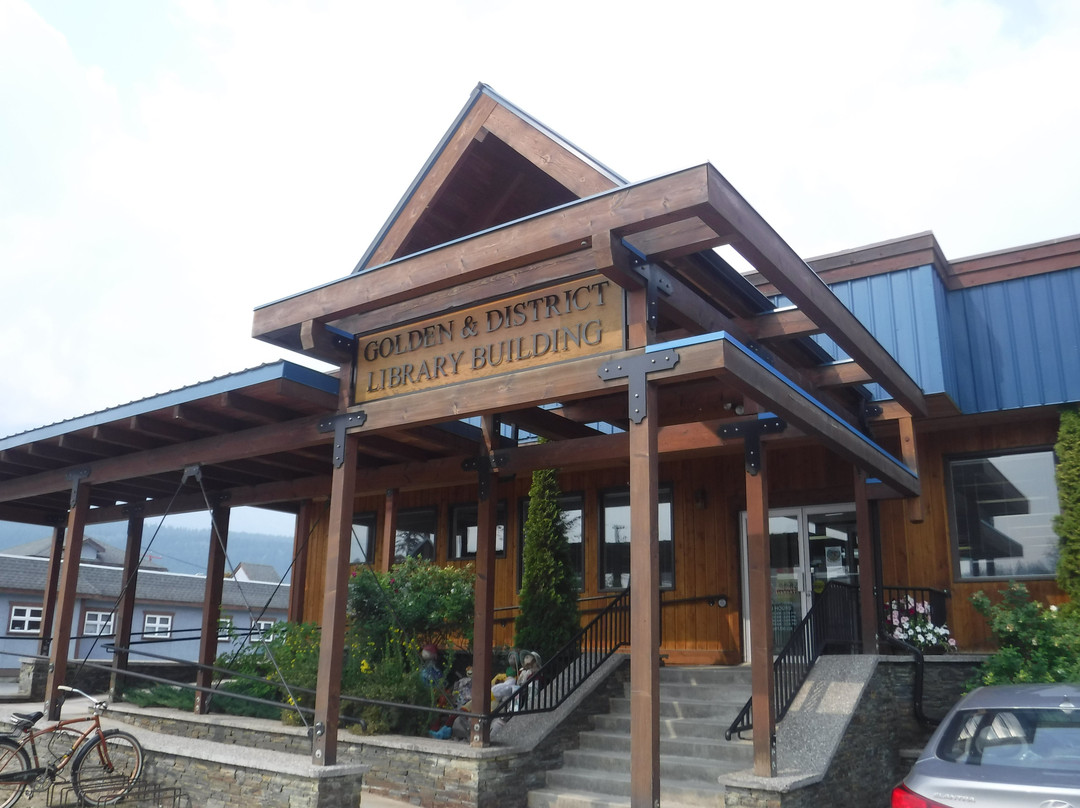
[{"x": 921, "y": 554}]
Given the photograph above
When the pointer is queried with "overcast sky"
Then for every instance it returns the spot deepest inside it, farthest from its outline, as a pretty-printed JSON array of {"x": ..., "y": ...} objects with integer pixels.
[{"x": 165, "y": 167}]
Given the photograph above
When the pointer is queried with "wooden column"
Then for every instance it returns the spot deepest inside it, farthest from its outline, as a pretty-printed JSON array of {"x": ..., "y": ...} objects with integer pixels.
[
  {"x": 336, "y": 591},
  {"x": 388, "y": 546},
  {"x": 759, "y": 598},
  {"x": 909, "y": 454},
  {"x": 125, "y": 609},
  {"x": 484, "y": 620},
  {"x": 305, "y": 519},
  {"x": 68, "y": 594},
  {"x": 211, "y": 610},
  {"x": 644, "y": 609},
  {"x": 52, "y": 585},
  {"x": 868, "y": 553}
]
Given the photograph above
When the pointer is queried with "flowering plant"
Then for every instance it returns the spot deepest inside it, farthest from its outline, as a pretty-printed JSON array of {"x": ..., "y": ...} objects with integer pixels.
[{"x": 909, "y": 620}]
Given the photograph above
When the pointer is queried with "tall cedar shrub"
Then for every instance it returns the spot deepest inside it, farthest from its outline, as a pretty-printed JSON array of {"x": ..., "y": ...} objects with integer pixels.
[
  {"x": 1067, "y": 523},
  {"x": 548, "y": 616}
]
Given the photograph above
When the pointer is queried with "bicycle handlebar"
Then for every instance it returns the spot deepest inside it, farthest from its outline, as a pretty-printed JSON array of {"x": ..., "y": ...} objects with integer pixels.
[{"x": 99, "y": 706}]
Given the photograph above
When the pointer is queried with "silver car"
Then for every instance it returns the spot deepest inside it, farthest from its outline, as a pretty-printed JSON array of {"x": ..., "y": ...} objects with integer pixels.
[{"x": 1010, "y": 746}]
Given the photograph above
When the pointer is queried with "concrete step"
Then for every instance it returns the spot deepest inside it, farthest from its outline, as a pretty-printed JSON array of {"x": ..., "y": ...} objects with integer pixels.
[
  {"x": 597, "y": 763},
  {"x": 741, "y": 752},
  {"x": 670, "y": 727},
  {"x": 613, "y": 785},
  {"x": 710, "y": 676},
  {"x": 731, "y": 693},
  {"x": 684, "y": 708}
]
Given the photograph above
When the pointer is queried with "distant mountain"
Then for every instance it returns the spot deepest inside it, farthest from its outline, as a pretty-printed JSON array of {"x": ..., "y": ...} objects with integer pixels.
[{"x": 177, "y": 549}]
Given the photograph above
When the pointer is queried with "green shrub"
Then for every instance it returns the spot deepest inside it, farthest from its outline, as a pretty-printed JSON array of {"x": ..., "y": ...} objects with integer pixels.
[
  {"x": 1067, "y": 522},
  {"x": 1036, "y": 644},
  {"x": 395, "y": 678},
  {"x": 179, "y": 698}
]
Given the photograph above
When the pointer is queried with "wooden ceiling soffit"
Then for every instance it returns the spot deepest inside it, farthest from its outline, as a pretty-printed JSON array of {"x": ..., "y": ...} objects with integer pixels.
[
  {"x": 727, "y": 211},
  {"x": 484, "y": 116}
]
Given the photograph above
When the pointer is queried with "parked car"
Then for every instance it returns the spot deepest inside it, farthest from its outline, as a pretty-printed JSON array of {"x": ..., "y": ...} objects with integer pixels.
[{"x": 1009, "y": 746}]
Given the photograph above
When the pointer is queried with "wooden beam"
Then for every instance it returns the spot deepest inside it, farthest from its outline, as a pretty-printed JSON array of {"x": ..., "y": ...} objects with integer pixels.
[
  {"x": 483, "y": 624},
  {"x": 645, "y": 608},
  {"x": 336, "y": 590},
  {"x": 305, "y": 522},
  {"x": 388, "y": 546},
  {"x": 840, "y": 374},
  {"x": 774, "y": 259},
  {"x": 211, "y": 610},
  {"x": 52, "y": 587},
  {"x": 868, "y": 553},
  {"x": 787, "y": 323},
  {"x": 125, "y": 608},
  {"x": 759, "y": 597},
  {"x": 65, "y": 603},
  {"x": 910, "y": 455}
]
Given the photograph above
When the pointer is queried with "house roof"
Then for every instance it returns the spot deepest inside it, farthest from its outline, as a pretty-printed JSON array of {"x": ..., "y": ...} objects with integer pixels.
[
  {"x": 23, "y": 574},
  {"x": 94, "y": 551},
  {"x": 264, "y": 573}
]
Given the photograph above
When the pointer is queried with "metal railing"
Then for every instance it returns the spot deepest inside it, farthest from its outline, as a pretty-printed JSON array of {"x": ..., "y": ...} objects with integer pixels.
[
  {"x": 831, "y": 625},
  {"x": 919, "y": 594},
  {"x": 571, "y": 665}
]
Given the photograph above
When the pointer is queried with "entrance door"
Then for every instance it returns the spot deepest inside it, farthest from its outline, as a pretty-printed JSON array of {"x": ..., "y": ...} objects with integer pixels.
[{"x": 808, "y": 547}]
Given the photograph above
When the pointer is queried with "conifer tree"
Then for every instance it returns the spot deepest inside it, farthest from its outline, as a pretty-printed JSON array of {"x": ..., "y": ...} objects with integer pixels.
[
  {"x": 548, "y": 616},
  {"x": 1067, "y": 523}
]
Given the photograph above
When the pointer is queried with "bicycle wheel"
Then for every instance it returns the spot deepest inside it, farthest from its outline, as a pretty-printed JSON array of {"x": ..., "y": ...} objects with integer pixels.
[
  {"x": 102, "y": 773},
  {"x": 13, "y": 763}
]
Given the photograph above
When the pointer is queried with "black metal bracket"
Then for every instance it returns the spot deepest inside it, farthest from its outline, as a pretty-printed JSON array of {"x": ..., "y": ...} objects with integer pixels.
[
  {"x": 484, "y": 466},
  {"x": 192, "y": 471},
  {"x": 338, "y": 424},
  {"x": 751, "y": 432},
  {"x": 75, "y": 477},
  {"x": 656, "y": 283},
  {"x": 635, "y": 369}
]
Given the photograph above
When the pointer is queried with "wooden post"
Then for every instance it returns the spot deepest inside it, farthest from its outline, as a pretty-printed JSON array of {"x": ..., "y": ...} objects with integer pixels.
[
  {"x": 68, "y": 594},
  {"x": 868, "y": 594},
  {"x": 484, "y": 620},
  {"x": 52, "y": 585},
  {"x": 645, "y": 609},
  {"x": 211, "y": 610},
  {"x": 388, "y": 547},
  {"x": 298, "y": 582},
  {"x": 125, "y": 610},
  {"x": 910, "y": 455},
  {"x": 332, "y": 640},
  {"x": 759, "y": 575}
]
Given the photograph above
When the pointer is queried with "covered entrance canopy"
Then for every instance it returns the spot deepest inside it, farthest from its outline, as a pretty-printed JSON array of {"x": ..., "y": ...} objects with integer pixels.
[{"x": 619, "y": 336}]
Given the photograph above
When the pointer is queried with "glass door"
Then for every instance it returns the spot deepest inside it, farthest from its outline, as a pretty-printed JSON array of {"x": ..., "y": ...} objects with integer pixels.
[{"x": 808, "y": 547}]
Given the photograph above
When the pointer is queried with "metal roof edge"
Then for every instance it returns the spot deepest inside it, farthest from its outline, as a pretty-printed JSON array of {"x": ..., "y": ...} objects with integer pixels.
[{"x": 282, "y": 369}]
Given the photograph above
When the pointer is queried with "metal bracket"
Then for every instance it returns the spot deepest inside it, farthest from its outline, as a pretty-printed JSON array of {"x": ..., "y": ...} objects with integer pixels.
[
  {"x": 635, "y": 369},
  {"x": 76, "y": 476},
  {"x": 656, "y": 283},
  {"x": 484, "y": 465},
  {"x": 338, "y": 424},
  {"x": 192, "y": 471},
  {"x": 751, "y": 432}
]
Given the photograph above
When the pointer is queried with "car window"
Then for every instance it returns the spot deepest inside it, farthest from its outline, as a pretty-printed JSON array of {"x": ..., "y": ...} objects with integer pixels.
[{"x": 1021, "y": 738}]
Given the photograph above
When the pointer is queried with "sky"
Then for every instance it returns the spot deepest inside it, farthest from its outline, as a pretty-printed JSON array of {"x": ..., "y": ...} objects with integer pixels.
[{"x": 166, "y": 167}]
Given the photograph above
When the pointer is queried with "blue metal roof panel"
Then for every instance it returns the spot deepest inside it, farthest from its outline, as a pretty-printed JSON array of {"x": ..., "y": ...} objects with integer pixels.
[{"x": 220, "y": 384}]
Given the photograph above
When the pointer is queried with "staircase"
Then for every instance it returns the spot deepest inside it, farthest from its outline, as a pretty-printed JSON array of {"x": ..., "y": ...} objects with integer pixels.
[{"x": 696, "y": 706}]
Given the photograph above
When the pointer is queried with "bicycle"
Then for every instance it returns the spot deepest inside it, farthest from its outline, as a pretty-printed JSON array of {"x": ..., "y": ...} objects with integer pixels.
[{"x": 105, "y": 763}]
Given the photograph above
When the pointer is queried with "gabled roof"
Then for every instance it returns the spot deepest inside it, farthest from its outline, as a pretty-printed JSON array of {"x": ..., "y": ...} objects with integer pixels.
[
  {"x": 263, "y": 573},
  {"x": 20, "y": 574},
  {"x": 93, "y": 551},
  {"x": 494, "y": 164}
]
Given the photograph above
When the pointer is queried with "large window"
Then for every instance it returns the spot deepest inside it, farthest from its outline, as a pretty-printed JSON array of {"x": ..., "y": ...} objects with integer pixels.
[
  {"x": 463, "y": 531},
  {"x": 363, "y": 538},
  {"x": 415, "y": 534},
  {"x": 1002, "y": 508},
  {"x": 572, "y": 507},
  {"x": 25, "y": 620},
  {"x": 98, "y": 624},
  {"x": 615, "y": 544}
]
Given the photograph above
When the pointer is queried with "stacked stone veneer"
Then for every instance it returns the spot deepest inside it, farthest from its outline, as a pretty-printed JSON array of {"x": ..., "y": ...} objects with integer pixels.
[{"x": 868, "y": 761}]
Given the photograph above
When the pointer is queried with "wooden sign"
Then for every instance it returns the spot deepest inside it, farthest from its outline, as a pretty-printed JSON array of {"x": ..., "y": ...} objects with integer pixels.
[{"x": 568, "y": 321}]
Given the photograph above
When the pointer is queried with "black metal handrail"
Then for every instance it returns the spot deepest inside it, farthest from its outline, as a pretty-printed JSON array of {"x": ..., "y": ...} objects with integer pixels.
[
  {"x": 572, "y": 664},
  {"x": 831, "y": 625}
]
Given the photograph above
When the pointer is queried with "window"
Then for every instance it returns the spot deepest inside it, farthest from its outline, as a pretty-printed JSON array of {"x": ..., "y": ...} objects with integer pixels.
[
  {"x": 25, "y": 620},
  {"x": 261, "y": 631},
  {"x": 224, "y": 629},
  {"x": 157, "y": 626},
  {"x": 463, "y": 531},
  {"x": 363, "y": 538},
  {"x": 615, "y": 547},
  {"x": 97, "y": 624},
  {"x": 415, "y": 535},
  {"x": 572, "y": 507},
  {"x": 1002, "y": 509}
]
